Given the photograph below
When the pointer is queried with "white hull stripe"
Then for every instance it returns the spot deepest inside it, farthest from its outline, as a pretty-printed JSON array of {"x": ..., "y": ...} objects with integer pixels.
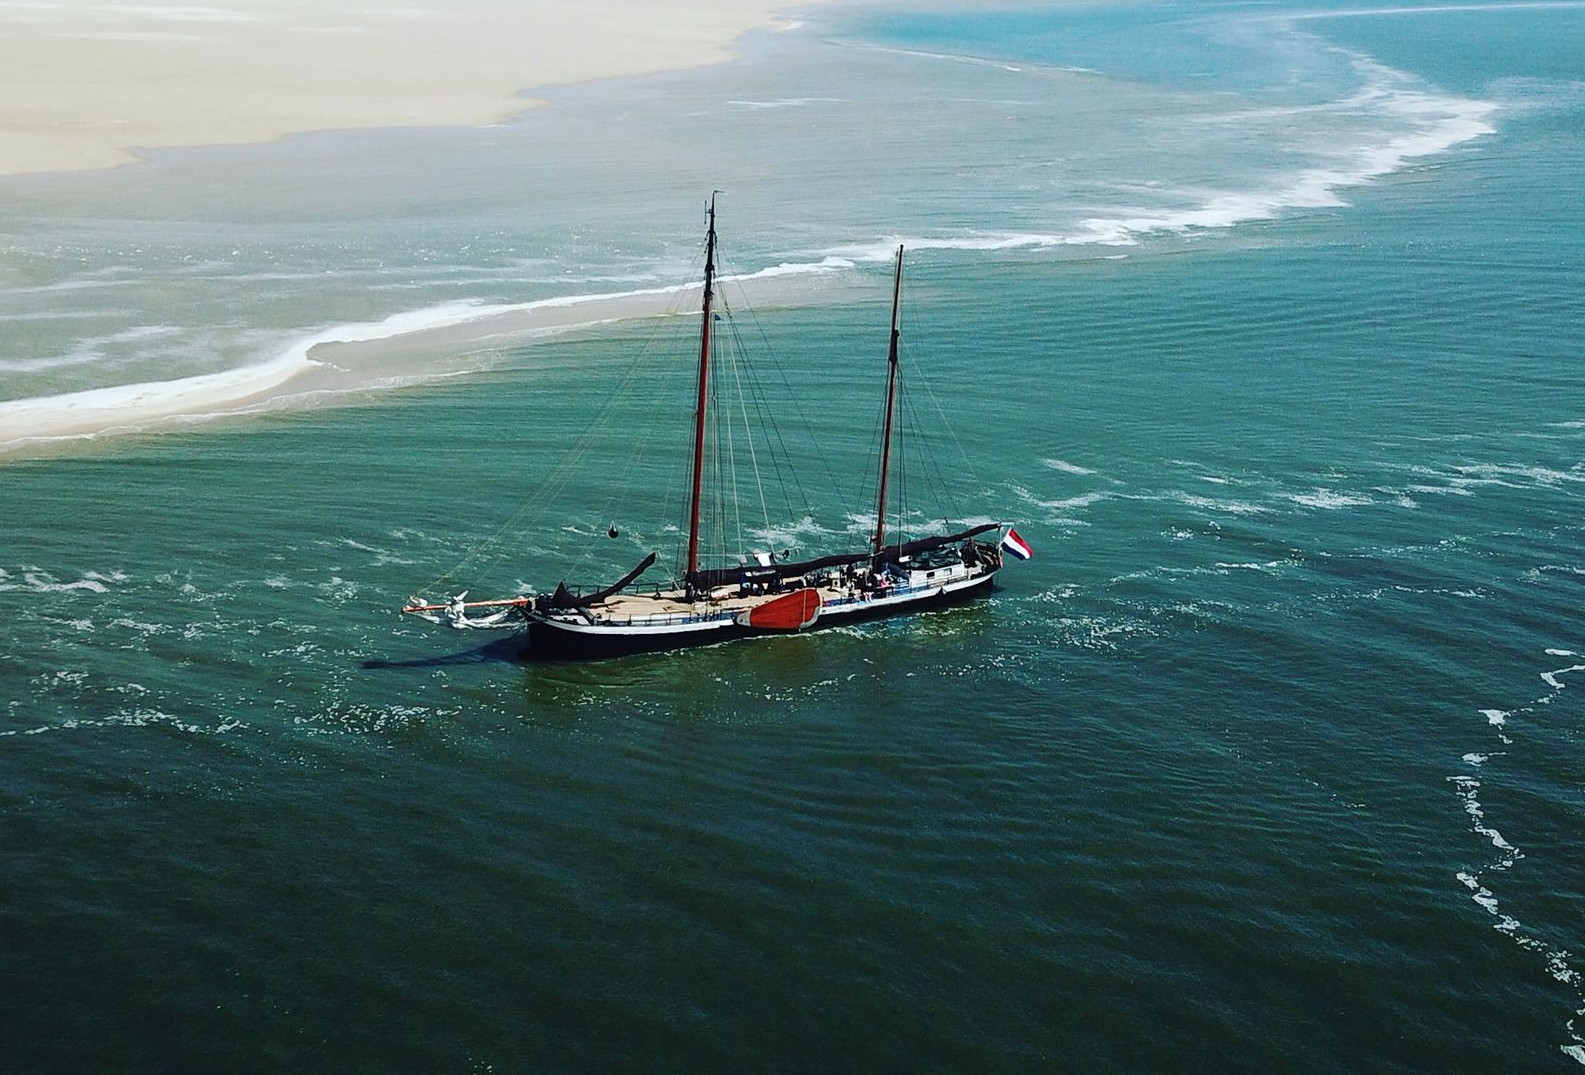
[{"x": 831, "y": 610}]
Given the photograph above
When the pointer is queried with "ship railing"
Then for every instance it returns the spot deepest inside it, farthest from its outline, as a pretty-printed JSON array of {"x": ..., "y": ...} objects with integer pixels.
[
  {"x": 662, "y": 619},
  {"x": 669, "y": 619},
  {"x": 890, "y": 591}
]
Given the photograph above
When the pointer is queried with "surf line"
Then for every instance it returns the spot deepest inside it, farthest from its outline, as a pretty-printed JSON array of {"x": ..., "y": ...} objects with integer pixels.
[
  {"x": 1444, "y": 9},
  {"x": 1468, "y": 790}
]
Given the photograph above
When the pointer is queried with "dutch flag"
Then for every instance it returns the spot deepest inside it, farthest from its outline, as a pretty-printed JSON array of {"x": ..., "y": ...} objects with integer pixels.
[{"x": 1017, "y": 545}]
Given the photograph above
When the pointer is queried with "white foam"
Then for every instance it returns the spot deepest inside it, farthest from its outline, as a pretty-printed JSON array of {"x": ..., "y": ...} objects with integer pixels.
[
  {"x": 137, "y": 625},
  {"x": 826, "y": 264},
  {"x": 1493, "y": 473},
  {"x": 783, "y": 102},
  {"x": 101, "y": 409},
  {"x": 121, "y": 407},
  {"x": 1556, "y": 684},
  {"x": 1083, "y": 500},
  {"x": 1437, "y": 123},
  {"x": 1468, "y": 787},
  {"x": 1439, "y": 9},
  {"x": 950, "y": 57},
  {"x": 1441, "y": 490},
  {"x": 790, "y": 535},
  {"x": 132, "y": 718},
  {"x": 1328, "y": 500},
  {"x": 1557, "y": 966},
  {"x": 1269, "y": 567},
  {"x": 86, "y": 351},
  {"x": 124, "y": 407},
  {"x": 883, "y": 250},
  {"x": 1230, "y": 507},
  {"x": 1557, "y": 960},
  {"x": 37, "y": 580}
]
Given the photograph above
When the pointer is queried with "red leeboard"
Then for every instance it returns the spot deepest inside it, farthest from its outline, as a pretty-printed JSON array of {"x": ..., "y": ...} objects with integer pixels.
[{"x": 789, "y": 612}]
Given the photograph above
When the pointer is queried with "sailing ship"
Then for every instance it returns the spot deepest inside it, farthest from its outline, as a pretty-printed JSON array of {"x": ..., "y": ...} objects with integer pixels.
[{"x": 761, "y": 595}]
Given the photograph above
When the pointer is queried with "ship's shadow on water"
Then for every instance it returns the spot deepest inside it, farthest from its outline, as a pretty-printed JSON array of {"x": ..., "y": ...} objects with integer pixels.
[
  {"x": 514, "y": 650},
  {"x": 510, "y": 650}
]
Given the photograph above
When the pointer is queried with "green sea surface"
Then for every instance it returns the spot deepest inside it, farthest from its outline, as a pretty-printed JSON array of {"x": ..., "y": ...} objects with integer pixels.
[{"x": 1263, "y": 330}]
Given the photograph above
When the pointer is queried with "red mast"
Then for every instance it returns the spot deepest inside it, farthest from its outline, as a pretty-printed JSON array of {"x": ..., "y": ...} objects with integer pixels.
[
  {"x": 704, "y": 380},
  {"x": 891, "y": 402}
]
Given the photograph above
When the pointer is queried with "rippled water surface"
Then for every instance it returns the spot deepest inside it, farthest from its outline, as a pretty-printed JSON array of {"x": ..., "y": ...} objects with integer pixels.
[{"x": 1264, "y": 330}]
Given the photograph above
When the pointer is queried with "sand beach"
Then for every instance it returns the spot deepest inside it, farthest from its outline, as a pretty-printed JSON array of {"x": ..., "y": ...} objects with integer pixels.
[
  {"x": 96, "y": 85},
  {"x": 103, "y": 85}
]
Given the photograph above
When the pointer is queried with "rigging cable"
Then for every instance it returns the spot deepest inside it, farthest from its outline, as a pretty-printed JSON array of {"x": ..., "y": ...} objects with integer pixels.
[
  {"x": 767, "y": 420},
  {"x": 560, "y": 475},
  {"x": 793, "y": 397}
]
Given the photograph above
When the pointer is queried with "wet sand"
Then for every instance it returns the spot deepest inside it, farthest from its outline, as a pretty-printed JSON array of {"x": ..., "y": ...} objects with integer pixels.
[
  {"x": 96, "y": 86},
  {"x": 339, "y": 362}
]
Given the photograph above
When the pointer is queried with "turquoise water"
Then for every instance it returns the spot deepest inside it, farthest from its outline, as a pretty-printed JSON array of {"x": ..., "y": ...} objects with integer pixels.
[{"x": 1265, "y": 333}]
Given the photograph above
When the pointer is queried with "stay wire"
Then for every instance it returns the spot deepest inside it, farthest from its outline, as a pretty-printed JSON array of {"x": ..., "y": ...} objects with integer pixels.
[
  {"x": 793, "y": 397},
  {"x": 777, "y": 453},
  {"x": 488, "y": 551}
]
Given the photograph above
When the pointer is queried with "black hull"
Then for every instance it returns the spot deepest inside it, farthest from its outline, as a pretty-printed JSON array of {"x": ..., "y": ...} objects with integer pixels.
[{"x": 549, "y": 644}]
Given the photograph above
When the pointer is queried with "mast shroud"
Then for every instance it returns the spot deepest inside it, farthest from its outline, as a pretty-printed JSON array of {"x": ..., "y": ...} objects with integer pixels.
[
  {"x": 891, "y": 406},
  {"x": 704, "y": 380}
]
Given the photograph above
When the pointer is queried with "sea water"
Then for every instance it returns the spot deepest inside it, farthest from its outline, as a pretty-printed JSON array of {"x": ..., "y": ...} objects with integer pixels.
[{"x": 1262, "y": 323}]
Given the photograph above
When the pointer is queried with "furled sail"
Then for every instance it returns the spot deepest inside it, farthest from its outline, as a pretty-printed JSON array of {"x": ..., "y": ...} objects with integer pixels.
[
  {"x": 729, "y": 576},
  {"x": 564, "y": 598},
  {"x": 909, "y": 548}
]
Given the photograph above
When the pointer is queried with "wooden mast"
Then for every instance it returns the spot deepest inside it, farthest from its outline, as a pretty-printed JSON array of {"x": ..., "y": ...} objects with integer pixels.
[
  {"x": 891, "y": 405},
  {"x": 698, "y": 425}
]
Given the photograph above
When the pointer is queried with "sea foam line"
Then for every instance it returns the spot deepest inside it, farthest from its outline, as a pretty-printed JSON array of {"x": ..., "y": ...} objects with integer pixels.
[
  {"x": 1436, "y": 122},
  {"x": 955, "y": 57},
  {"x": 99, "y": 410},
  {"x": 86, "y": 351},
  {"x": 141, "y": 717},
  {"x": 1066, "y": 467},
  {"x": 37, "y": 580},
  {"x": 119, "y": 408},
  {"x": 1444, "y": 9},
  {"x": 1468, "y": 790}
]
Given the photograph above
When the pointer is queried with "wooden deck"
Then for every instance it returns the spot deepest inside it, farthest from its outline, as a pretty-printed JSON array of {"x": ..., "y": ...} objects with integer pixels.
[{"x": 630, "y": 606}]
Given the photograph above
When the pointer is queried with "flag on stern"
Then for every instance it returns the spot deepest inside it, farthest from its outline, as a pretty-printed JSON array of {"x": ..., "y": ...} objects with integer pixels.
[{"x": 1017, "y": 545}]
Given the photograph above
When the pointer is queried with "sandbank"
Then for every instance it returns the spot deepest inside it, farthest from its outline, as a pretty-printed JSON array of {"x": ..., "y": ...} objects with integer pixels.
[
  {"x": 334, "y": 364},
  {"x": 90, "y": 85}
]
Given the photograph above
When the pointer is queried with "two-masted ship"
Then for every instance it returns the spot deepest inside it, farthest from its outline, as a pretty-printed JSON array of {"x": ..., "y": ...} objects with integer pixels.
[{"x": 762, "y": 595}]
